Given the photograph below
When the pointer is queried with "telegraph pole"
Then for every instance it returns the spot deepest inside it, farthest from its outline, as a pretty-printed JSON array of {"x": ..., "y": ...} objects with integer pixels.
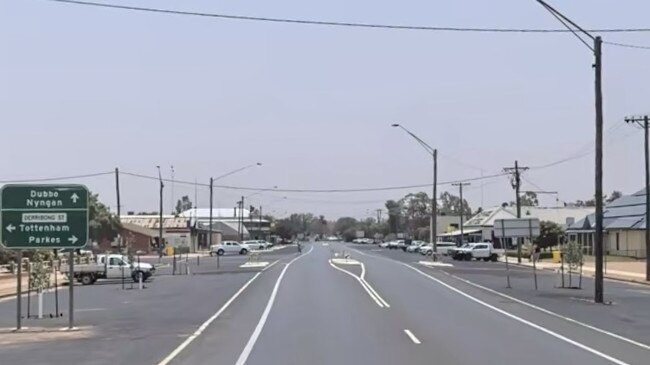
[
  {"x": 516, "y": 184},
  {"x": 210, "y": 222},
  {"x": 643, "y": 123},
  {"x": 171, "y": 198},
  {"x": 433, "y": 236},
  {"x": 462, "y": 230},
  {"x": 117, "y": 191},
  {"x": 160, "y": 223}
]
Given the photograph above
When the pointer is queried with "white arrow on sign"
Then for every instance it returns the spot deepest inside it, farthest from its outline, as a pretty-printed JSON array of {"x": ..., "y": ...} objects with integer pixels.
[
  {"x": 11, "y": 228},
  {"x": 74, "y": 197},
  {"x": 73, "y": 239}
]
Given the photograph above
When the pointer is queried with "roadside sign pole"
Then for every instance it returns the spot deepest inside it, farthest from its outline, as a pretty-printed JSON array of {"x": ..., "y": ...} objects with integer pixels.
[
  {"x": 19, "y": 293},
  {"x": 503, "y": 243},
  {"x": 56, "y": 289},
  {"x": 530, "y": 237},
  {"x": 71, "y": 290}
]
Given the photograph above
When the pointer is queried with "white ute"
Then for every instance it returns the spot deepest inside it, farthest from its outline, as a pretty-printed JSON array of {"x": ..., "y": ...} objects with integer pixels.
[
  {"x": 110, "y": 267},
  {"x": 229, "y": 247},
  {"x": 479, "y": 251}
]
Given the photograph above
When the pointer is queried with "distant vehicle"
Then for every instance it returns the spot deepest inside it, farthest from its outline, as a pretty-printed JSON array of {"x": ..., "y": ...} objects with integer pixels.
[
  {"x": 110, "y": 267},
  {"x": 479, "y": 251},
  {"x": 259, "y": 244},
  {"x": 442, "y": 248},
  {"x": 394, "y": 245},
  {"x": 230, "y": 247},
  {"x": 452, "y": 250},
  {"x": 363, "y": 241},
  {"x": 385, "y": 244},
  {"x": 332, "y": 238},
  {"x": 415, "y": 246}
]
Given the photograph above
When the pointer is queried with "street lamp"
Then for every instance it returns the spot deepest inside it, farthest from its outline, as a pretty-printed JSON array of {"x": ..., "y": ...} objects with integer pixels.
[{"x": 434, "y": 206}]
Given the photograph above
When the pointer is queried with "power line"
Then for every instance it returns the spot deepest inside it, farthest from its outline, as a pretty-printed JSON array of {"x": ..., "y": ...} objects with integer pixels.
[
  {"x": 58, "y": 178},
  {"x": 627, "y": 45},
  {"x": 350, "y": 190},
  {"x": 342, "y": 24}
]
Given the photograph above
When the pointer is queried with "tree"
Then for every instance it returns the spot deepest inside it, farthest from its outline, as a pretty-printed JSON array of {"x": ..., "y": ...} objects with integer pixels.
[
  {"x": 343, "y": 224},
  {"x": 394, "y": 215},
  {"x": 550, "y": 233},
  {"x": 451, "y": 205},
  {"x": 183, "y": 204},
  {"x": 528, "y": 199},
  {"x": 613, "y": 196},
  {"x": 417, "y": 208},
  {"x": 102, "y": 224}
]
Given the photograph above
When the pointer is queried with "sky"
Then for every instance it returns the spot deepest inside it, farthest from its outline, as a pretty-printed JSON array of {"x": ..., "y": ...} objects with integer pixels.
[{"x": 85, "y": 90}]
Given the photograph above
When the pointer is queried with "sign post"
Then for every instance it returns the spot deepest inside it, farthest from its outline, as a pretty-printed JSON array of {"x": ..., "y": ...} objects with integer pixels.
[
  {"x": 44, "y": 217},
  {"x": 517, "y": 228}
]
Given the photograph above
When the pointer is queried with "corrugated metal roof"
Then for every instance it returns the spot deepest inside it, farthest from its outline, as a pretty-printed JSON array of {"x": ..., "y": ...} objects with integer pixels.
[
  {"x": 626, "y": 212},
  {"x": 153, "y": 222}
]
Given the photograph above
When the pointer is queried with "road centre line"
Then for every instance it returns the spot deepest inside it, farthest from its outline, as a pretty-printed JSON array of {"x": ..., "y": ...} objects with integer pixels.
[
  {"x": 380, "y": 304},
  {"x": 243, "y": 357},
  {"x": 545, "y": 311},
  {"x": 205, "y": 324},
  {"x": 412, "y": 337},
  {"x": 521, "y": 320},
  {"x": 363, "y": 280}
]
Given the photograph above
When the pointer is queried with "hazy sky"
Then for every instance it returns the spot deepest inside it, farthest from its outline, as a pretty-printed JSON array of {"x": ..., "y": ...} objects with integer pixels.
[{"x": 84, "y": 90}]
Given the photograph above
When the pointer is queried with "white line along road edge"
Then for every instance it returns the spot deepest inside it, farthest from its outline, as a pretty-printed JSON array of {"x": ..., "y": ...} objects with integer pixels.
[
  {"x": 545, "y": 311},
  {"x": 260, "y": 325},
  {"x": 380, "y": 302},
  {"x": 205, "y": 324},
  {"x": 412, "y": 337},
  {"x": 521, "y": 320},
  {"x": 363, "y": 280}
]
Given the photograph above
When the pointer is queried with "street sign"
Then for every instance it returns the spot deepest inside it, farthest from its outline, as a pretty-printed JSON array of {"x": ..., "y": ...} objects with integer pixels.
[
  {"x": 43, "y": 216},
  {"x": 516, "y": 227}
]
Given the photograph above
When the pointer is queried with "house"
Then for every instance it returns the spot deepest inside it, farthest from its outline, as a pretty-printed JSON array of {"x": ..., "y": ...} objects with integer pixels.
[
  {"x": 233, "y": 223},
  {"x": 142, "y": 232},
  {"x": 481, "y": 226},
  {"x": 623, "y": 227}
]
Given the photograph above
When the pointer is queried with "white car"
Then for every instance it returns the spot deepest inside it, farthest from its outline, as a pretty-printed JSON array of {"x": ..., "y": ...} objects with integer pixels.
[
  {"x": 415, "y": 246},
  {"x": 229, "y": 247},
  {"x": 442, "y": 248},
  {"x": 258, "y": 244},
  {"x": 396, "y": 244},
  {"x": 385, "y": 244}
]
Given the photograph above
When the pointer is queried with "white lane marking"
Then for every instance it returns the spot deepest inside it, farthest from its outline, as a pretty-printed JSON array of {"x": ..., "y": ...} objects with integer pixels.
[
  {"x": 89, "y": 309},
  {"x": 521, "y": 320},
  {"x": 412, "y": 337},
  {"x": 380, "y": 304},
  {"x": 363, "y": 280},
  {"x": 255, "y": 264},
  {"x": 205, "y": 324},
  {"x": 545, "y": 311},
  {"x": 260, "y": 325}
]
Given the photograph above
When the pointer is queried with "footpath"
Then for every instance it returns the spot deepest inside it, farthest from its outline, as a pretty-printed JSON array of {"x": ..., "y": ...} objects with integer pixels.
[{"x": 618, "y": 270}]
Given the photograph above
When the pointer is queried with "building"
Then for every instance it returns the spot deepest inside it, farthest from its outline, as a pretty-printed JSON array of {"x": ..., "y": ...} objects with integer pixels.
[
  {"x": 233, "y": 223},
  {"x": 141, "y": 233},
  {"x": 623, "y": 224},
  {"x": 481, "y": 226}
]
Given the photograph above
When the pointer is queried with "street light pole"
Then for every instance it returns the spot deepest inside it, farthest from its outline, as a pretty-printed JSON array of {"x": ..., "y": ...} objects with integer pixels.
[
  {"x": 433, "y": 224},
  {"x": 160, "y": 223}
]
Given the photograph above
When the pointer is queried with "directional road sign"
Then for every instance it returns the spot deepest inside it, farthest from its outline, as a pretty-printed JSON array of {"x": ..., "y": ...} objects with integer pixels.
[{"x": 44, "y": 216}]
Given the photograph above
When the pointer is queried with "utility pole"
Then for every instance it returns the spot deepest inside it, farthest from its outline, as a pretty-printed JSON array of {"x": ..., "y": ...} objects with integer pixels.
[
  {"x": 117, "y": 191},
  {"x": 433, "y": 235},
  {"x": 241, "y": 214},
  {"x": 171, "y": 198},
  {"x": 643, "y": 123},
  {"x": 462, "y": 230},
  {"x": 210, "y": 221},
  {"x": 516, "y": 184},
  {"x": 260, "y": 225},
  {"x": 160, "y": 223},
  {"x": 598, "y": 86}
]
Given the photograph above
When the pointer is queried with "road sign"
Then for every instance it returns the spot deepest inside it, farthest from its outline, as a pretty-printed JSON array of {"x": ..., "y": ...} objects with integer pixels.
[
  {"x": 516, "y": 227},
  {"x": 43, "y": 216}
]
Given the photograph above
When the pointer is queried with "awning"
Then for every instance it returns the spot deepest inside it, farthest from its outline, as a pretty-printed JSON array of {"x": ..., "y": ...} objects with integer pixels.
[{"x": 457, "y": 232}]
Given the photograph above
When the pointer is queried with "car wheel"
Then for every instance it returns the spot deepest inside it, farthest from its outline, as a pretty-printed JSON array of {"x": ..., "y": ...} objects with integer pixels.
[
  {"x": 261, "y": 247},
  {"x": 87, "y": 279},
  {"x": 243, "y": 251},
  {"x": 220, "y": 252},
  {"x": 468, "y": 257},
  {"x": 429, "y": 253},
  {"x": 493, "y": 257},
  {"x": 486, "y": 259}
]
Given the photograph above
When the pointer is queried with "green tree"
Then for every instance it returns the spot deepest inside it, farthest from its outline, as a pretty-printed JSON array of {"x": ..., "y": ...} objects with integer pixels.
[
  {"x": 528, "y": 199},
  {"x": 417, "y": 208},
  {"x": 344, "y": 224},
  {"x": 451, "y": 205},
  {"x": 183, "y": 204},
  {"x": 39, "y": 275},
  {"x": 102, "y": 224},
  {"x": 550, "y": 233},
  {"x": 394, "y": 215}
]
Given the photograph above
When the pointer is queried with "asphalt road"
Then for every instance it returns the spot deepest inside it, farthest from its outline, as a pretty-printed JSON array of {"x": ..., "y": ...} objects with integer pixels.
[{"x": 377, "y": 307}]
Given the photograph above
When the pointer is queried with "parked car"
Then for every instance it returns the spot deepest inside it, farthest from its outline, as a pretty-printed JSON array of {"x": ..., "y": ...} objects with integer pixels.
[
  {"x": 258, "y": 244},
  {"x": 385, "y": 244},
  {"x": 479, "y": 251},
  {"x": 415, "y": 246},
  {"x": 393, "y": 245},
  {"x": 229, "y": 247},
  {"x": 452, "y": 250},
  {"x": 442, "y": 248},
  {"x": 110, "y": 267}
]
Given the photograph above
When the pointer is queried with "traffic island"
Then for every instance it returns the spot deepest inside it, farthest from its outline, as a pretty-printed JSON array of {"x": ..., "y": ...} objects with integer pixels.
[{"x": 27, "y": 335}]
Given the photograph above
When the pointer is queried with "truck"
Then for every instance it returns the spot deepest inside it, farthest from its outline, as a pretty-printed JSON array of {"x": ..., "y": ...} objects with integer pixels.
[
  {"x": 112, "y": 266},
  {"x": 479, "y": 251}
]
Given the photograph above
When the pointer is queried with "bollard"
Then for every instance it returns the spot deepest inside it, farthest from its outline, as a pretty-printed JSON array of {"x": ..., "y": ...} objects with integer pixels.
[{"x": 140, "y": 280}]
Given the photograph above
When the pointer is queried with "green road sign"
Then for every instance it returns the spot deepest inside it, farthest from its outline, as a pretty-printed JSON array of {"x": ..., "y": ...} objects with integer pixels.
[{"x": 44, "y": 216}]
